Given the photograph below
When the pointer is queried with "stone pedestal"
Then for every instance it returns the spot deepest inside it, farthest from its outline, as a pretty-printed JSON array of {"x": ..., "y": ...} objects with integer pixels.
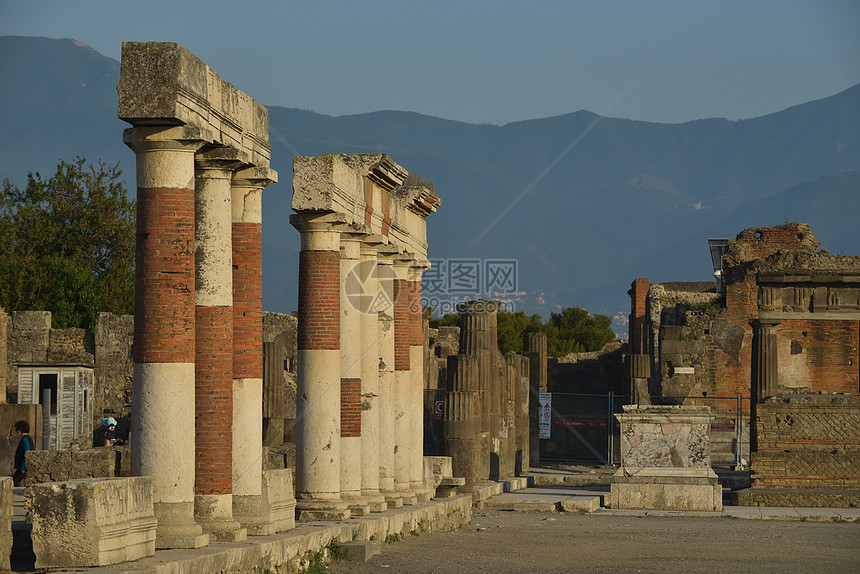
[
  {"x": 278, "y": 499},
  {"x": 92, "y": 522},
  {"x": 665, "y": 460}
]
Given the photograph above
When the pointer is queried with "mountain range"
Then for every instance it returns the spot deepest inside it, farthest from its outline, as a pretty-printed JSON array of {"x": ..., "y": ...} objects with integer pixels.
[{"x": 582, "y": 203}]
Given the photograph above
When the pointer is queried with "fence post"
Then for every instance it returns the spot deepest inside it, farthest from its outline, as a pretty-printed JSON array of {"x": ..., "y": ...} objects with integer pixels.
[
  {"x": 739, "y": 431},
  {"x": 610, "y": 429}
]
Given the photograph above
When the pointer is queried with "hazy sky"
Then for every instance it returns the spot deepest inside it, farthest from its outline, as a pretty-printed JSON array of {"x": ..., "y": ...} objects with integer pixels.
[{"x": 491, "y": 61}]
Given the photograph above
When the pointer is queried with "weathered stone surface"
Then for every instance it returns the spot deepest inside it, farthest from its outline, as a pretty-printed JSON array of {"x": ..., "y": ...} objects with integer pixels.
[
  {"x": 92, "y": 522},
  {"x": 5, "y": 521},
  {"x": 798, "y": 497},
  {"x": 666, "y": 489},
  {"x": 162, "y": 83},
  {"x": 665, "y": 436},
  {"x": 279, "y": 498}
]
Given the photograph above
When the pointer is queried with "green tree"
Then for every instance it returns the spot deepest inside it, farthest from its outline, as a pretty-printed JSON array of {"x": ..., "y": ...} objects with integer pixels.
[
  {"x": 67, "y": 244},
  {"x": 512, "y": 326}
]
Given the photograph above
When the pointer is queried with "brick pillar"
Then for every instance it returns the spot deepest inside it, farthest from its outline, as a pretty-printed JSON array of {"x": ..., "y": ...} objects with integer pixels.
[
  {"x": 416, "y": 391},
  {"x": 163, "y": 391},
  {"x": 350, "y": 373},
  {"x": 765, "y": 367},
  {"x": 638, "y": 294},
  {"x": 386, "y": 285},
  {"x": 365, "y": 282},
  {"x": 213, "y": 485},
  {"x": 402, "y": 378},
  {"x": 318, "y": 382},
  {"x": 535, "y": 348},
  {"x": 247, "y": 191}
]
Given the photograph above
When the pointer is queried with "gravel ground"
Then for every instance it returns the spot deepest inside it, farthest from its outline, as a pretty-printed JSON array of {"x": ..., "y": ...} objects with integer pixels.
[{"x": 559, "y": 542}]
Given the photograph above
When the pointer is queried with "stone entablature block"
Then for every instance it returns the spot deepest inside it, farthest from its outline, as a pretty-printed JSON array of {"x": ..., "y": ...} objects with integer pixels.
[
  {"x": 93, "y": 522},
  {"x": 365, "y": 190},
  {"x": 162, "y": 83}
]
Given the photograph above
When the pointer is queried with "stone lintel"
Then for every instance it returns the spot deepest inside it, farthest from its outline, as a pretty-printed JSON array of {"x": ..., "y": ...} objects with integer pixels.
[
  {"x": 162, "y": 83},
  {"x": 366, "y": 189}
]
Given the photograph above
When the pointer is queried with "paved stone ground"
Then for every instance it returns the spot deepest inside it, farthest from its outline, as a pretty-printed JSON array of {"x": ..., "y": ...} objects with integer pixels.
[{"x": 562, "y": 542}]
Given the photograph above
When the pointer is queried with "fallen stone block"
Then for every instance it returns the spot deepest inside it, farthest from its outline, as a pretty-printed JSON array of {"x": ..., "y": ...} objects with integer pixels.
[
  {"x": 587, "y": 505},
  {"x": 92, "y": 522}
]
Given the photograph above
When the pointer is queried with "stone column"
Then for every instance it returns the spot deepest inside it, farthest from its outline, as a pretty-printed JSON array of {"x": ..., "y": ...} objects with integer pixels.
[
  {"x": 508, "y": 425},
  {"x": 318, "y": 381},
  {"x": 247, "y": 209},
  {"x": 350, "y": 378},
  {"x": 460, "y": 420},
  {"x": 535, "y": 348},
  {"x": 163, "y": 391},
  {"x": 213, "y": 486},
  {"x": 402, "y": 378},
  {"x": 367, "y": 284},
  {"x": 416, "y": 392},
  {"x": 522, "y": 408},
  {"x": 385, "y": 282},
  {"x": 765, "y": 367}
]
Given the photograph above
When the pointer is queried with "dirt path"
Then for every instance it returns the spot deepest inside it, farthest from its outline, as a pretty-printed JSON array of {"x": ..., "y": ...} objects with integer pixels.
[{"x": 542, "y": 542}]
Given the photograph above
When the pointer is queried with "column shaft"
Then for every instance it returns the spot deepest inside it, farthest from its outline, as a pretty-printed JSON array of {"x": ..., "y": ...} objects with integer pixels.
[
  {"x": 213, "y": 504},
  {"x": 163, "y": 391},
  {"x": 318, "y": 381},
  {"x": 402, "y": 380},
  {"x": 247, "y": 468},
  {"x": 350, "y": 373},
  {"x": 416, "y": 393}
]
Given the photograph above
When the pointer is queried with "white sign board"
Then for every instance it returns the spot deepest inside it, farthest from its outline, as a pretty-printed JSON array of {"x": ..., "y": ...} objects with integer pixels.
[
  {"x": 545, "y": 415},
  {"x": 685, "y": 370}
]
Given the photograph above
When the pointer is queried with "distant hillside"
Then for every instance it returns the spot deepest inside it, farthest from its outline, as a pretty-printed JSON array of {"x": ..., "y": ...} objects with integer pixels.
[{"x": 630, "y": 198}]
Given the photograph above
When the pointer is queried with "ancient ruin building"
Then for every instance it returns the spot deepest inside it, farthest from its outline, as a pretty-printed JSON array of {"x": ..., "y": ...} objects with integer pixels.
[
  {"x": 782, "y": 335},
  {"x": 360, "y": 376},
  {"x": 785, "y": 307}
]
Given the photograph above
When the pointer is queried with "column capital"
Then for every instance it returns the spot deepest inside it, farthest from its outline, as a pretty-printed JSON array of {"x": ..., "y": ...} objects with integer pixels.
[
  {"x": 254, "y": 176},
  {"x": 176, "y": 138},
  {"x": 226, "y": 160}
]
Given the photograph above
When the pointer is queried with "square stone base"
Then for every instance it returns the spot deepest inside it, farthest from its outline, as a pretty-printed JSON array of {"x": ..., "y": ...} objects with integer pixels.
[{"x": 652, "y": 488}]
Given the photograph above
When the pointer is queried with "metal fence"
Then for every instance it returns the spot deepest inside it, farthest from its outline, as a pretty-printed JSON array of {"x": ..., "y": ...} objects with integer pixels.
[{"x": 583, "y": 428}]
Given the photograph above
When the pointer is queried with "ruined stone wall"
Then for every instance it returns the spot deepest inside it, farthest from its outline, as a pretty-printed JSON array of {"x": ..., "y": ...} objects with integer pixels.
[
  {"x": 4, "y": 359},
  {"x": 114, "y": 368},
  {"x": 596, "y": 372},
  {"x": 808, "y": 441},
  {"x": 279, "y": 378}
]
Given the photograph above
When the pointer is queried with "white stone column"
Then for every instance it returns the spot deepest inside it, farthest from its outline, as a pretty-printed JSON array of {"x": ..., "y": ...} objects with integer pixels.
[
  {"x": 247, "y": 191},
  {"x": 416, "y": 392},
  {"x": 402, "y": 379},
  {"x": 318, "y": 382},
  {"x": 385, "y": 282},
  {"x": 163, "y": 392},
  {"x": 350, "y": 377},
  {"x": 213, "y": 488},
  {"x": 367, "y": 284}
]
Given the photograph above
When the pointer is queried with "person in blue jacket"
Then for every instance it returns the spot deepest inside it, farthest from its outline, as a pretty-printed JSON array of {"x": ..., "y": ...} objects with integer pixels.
[{"x": 26, "y": 443}]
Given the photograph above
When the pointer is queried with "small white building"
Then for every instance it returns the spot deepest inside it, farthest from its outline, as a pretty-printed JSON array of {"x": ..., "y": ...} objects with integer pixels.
[{"x": 70, "y": 401}]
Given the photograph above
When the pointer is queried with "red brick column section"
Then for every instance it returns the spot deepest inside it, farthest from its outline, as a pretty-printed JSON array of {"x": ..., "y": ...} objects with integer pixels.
[
  {"x": 319, "y": 372},
  {"x": 164, "y": 328},
  {"x": 350, "y": 408},
  {"x": 247, "y": 357},
  {"x": 213, "y": 486}
]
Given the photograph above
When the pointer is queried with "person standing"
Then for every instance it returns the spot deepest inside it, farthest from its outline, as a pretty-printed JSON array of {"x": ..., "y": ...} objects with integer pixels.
[{"x": 26, "y": 443}]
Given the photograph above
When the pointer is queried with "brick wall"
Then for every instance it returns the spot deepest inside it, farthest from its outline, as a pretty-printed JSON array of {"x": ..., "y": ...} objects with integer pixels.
[
  {"x": 319, "y": 281},
  {"x": 247, "y": 300},
  {"x": 350, "y": 407},
  {"x": 213, "y": 399},
  {"x": 164, "y": 282},
  {"x": 807, "y": 441},
  {"x": 403, "y": 327}
]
